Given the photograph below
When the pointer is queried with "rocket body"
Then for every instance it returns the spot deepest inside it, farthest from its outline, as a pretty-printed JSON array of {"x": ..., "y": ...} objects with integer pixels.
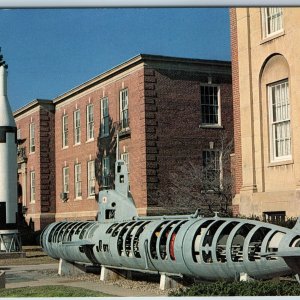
[{"x": 8, "y": 158}]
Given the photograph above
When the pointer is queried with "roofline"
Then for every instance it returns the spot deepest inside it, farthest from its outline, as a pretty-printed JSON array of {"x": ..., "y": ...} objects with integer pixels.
[
  {"x": 34, "y": 103},
  {"x": 140, "y": 58}
]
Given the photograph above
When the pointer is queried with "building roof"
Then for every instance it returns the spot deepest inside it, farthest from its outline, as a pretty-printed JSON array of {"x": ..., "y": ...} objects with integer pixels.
[
  {"x": 33, "y": 104},
  {"x": 222, "y": 67}
]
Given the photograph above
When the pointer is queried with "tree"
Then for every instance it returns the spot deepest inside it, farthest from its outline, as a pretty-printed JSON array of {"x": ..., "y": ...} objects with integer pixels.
[
  {"x": 106, "y": 145},
  {"x": 207, "y": 186}
]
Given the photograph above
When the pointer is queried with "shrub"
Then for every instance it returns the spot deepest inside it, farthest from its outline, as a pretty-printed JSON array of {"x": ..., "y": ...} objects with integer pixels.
[{"x": 254, "y": 288}]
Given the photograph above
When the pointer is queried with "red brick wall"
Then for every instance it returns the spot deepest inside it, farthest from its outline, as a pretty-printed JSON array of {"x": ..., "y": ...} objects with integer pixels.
[
  {"x": 236, "y": 102},
  {"x": 133, "y": 143},
  {"x": 172, "y": 126},
  {"x": 41, "y": 161}
]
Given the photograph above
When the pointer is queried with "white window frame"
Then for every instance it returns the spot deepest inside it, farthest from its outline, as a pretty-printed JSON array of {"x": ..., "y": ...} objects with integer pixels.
[
  {"x": 91, "y": 178},
  {"x": 65, "y": 131},
  {"x": 272, "y": 21},
  {"x": 278, "y": 97},
  {"x": 66, "y": 179},
  {"x": 125, "y": 157},
  {"x": 90, "y": 122},
  {"x": 210, "y": 106},
  {"x": 77, "y": 132},
  {"x": 124, "y": 113},
  {"x": 32, "y": 187},
  {"x": 19, "y": 133},
  {"x": 77, "y": 178},
  {"x": 31, "y": 137},
  {"x": 104, "y": 117},
  {"x": 105, "y": 171}
]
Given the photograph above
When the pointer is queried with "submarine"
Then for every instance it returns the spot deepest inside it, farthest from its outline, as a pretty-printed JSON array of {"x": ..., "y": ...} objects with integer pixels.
[{"x": 208, "y": 248}]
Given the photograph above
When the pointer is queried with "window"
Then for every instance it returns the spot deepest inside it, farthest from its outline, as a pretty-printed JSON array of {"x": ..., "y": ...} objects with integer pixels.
[
  {"x": 32, "y": 186},
  {"x": 90, "y": 122},
  {"x": 31, "y": 138},
  {"x": 77, "y": 127},
  {"x": 104, "y": 117},
  {"x": 65, "y": 131},
  {"x": 125, "y": 157},
  {"x": 18, "y": 133},
  {"x": 274, "y": 216},
  {"x": 212, "y": 168},
  {"x": 78, "y": 193},
  {"x": 272, "y": 20},
  {"x": 91, "y": 178},
  {"x": 124, "y": 120},
  {"x": 279, "y": 109},
  {"x": 210, "y": 102},
  {"x": 66, "y": 179},
  {"x": 105, "y": 171}
]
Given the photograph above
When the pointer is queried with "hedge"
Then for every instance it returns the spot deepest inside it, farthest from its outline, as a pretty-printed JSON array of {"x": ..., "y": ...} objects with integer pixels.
[{"x": 253, "y": 288}]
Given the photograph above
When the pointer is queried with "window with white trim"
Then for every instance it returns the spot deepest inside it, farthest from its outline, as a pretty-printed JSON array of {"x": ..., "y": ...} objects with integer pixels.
[
  {"x": 105, "y": 171},
  {"x": 77, "y": 127},
  {"x": 212, "y": 167},
  {"x": 210, "y": 104},
  {"x": 279, "y": 110},
  {"x": 104, "y": 117},
  {"x": 91, "y": 178},
  {"x": 19, "y": 133},
  {"x": 31, "y": 138},
  {"x": 65, "y": 131},
  {"x": 66, "y": 179},
  {"x": 32, "y": 186},
  {"x": 90, "y": 122},
  {"x": 78, "y": 192},
  {"x": 124, "y": 117},
  {"x": 125, "y": 157},
  {"x": 272, "y": 21}
]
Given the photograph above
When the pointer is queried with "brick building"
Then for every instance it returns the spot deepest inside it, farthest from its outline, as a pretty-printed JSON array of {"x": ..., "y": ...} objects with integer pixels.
[
  {"x": 167, "y": 111},
  {"x": 266, "y": 111}
]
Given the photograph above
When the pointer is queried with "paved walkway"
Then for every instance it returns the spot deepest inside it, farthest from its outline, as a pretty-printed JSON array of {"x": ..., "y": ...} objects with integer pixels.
[{"x": 33, "y": 275}]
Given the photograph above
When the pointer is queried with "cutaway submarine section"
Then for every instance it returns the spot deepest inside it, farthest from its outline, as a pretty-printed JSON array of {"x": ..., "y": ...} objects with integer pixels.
[{"x": 207, "y": 248}]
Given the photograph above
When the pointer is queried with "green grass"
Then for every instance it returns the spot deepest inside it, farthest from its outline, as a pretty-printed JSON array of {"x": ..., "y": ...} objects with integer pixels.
[{"x": 50, "y": 291}]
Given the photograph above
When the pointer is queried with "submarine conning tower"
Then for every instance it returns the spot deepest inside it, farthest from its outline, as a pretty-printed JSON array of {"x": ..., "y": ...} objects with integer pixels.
[
  {"x": 9, "y": 237},
  {"x": 117, "y": 204}
]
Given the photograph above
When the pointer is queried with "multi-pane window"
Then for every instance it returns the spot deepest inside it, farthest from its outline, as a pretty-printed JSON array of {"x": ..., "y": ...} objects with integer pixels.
[
  {"x": 32, "y": 186},
  {"x": 210, "y": 104},
  {"x": 124, "y": 118},
  {"x": 31, "y": 137},
  {"x": 280, "y": 134},
  {"x": 19, "y": 133},
  {"x": 104, "y": 117},
  {"x": 212, "y": 168},
  {"x": 272, "y": 20},
  {"x": 91, "y": 178},
  {"x": 65, "y": 131},
  {"x": 90, "y": 122},
  {"x": 77, "y": 127},
  {"x": 105, "y": 171},
  {"x": 78, "y": 193},
  {"x": 125, "y": 157},
  {"x": 66, "y": 179}
]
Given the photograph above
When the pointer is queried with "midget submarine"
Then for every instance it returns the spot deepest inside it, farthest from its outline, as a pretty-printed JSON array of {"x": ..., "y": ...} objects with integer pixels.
[{"x": 209, "y": 248}]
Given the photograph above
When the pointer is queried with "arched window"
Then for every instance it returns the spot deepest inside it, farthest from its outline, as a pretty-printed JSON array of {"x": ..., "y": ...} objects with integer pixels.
[{"x": 275, "y": 93}]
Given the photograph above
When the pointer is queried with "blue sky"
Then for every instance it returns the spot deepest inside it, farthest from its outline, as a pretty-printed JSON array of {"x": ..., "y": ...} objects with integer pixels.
[{"x": 50, "y": 51}]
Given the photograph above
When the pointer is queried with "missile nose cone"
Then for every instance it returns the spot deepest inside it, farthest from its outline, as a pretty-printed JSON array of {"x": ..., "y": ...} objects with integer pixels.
[{"x": 6, "y": 116}]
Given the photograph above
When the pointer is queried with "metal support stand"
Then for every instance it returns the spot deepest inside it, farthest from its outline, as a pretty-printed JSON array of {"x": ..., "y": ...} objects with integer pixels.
[
  {"x": 167, "y": 282},
  {"x": 10, "y": 241},
  {"x": 69, "y": 268}
]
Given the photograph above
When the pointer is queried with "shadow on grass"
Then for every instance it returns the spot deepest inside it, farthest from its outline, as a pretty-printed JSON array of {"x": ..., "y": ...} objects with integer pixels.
[{"x": 51, "y": 291}]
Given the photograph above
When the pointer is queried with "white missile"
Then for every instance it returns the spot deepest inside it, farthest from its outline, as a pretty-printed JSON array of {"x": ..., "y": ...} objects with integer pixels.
[{"x": 8, "y": 157}]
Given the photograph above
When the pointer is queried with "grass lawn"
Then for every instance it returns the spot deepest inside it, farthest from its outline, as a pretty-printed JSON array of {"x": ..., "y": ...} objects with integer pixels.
[{"x": 50, "y": 291}]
